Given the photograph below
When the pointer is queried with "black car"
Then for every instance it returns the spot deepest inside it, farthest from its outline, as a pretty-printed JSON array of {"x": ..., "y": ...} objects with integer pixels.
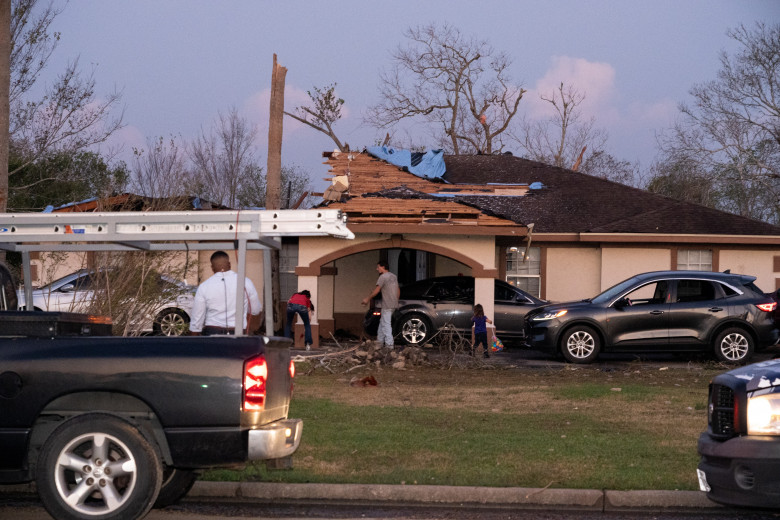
[
  {"x": 740, "y": 451},
  {"x": 428, "y": 305},
  {"x": 664, "y": 311}
]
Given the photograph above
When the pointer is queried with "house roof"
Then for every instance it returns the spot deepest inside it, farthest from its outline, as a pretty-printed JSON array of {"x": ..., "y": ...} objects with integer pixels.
[
  {"x": 573, "y": 202},
  {"x": 503, "y": 194},
  {"x": 133, "y": 202}
]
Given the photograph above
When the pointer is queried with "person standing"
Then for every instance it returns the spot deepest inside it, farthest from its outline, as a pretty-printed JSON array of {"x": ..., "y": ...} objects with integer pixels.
[
  {"x": 214, "y": 306},
  {"x": 387, "y": 284},
  {"x": 300, "y": 304},
  {"x": 479, "y": 325}
]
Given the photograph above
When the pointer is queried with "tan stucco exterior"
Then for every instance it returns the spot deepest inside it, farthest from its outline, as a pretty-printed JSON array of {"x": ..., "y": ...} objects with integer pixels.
[
  {"x": 577, "y": 273},
  {"x": 758, "y": 263}
]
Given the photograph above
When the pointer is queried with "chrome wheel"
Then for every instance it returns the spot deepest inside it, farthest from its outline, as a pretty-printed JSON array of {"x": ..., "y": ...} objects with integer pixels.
[
  {"x": 581, "y": 345},
  {"x": 733, "y": 346},
  {"x": 95, "y": 474},
  {"x": 98, "y": 467},
  {"x": 415, "y": 330},
  {"x": 172, "y": 323}
]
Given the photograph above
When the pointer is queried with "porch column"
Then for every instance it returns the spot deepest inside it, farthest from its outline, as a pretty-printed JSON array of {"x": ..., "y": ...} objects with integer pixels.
[
  {"x": 309, "y": 283},
  {"x": 484, "y": 289}
]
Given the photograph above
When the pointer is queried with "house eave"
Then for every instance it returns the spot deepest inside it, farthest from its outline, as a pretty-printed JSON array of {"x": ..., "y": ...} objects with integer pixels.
[
  {"x": 439, "y": 229},
  {"x": 655, "y": 238}
]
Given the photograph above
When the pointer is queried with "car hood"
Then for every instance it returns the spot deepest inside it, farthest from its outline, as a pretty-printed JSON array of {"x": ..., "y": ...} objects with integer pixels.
[{"x": 564, "y": 305}]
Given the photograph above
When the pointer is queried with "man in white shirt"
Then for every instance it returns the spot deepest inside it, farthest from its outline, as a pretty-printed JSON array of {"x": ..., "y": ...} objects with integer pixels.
[{"x": 214, "y": 307}]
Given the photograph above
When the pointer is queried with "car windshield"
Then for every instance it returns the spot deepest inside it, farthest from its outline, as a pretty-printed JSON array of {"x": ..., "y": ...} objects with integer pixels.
[
  {"x": 56, "y": 283},
  {"x": 614, "y": 291}
]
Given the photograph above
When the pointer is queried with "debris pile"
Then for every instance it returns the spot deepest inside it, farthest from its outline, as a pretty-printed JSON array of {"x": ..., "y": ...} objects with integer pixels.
[
  {"x": 399, "y": 357},
  {"x": 367, "y": 354}
]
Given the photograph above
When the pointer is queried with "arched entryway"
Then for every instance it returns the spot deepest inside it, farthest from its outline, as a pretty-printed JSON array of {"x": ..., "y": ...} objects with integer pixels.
[{"x": 341, "y": 278}]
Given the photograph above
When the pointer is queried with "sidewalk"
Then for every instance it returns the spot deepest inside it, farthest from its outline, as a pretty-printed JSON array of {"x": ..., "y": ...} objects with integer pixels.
[{"x": 525, "y": 498}]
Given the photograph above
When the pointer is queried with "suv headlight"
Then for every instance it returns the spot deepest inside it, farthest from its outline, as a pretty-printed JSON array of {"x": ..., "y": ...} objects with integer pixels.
[
  {"x": 550, "y": 315},
  {"x": 763, "y": 414}
]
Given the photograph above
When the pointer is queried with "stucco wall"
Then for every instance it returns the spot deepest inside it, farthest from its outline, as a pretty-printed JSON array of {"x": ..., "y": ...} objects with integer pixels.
[
  {"x": 355, "y": 280},
  {"x": 619, "y": 263},
  {"x": 573, "y": 273},
  {"x": 756, "y": 263}
]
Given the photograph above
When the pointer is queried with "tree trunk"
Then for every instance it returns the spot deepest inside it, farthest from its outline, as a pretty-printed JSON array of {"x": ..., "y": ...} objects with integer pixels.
[{"x": 273, "y": 178}]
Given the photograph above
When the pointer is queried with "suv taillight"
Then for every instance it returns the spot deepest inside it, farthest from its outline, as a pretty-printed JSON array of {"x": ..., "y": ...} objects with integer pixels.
[
  {"x": 767, "y": 307},
  {"x": 255, "y": 377}
]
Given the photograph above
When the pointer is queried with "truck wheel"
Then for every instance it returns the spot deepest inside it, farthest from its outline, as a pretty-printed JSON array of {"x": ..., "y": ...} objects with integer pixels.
[
  {"x": 171, "y": 322},
  {"x": 176, "y": 484},
  {"x": 733, "y": 345},
  {"x": 98, "y": 467},
  {"x": 580, "y": 344}
]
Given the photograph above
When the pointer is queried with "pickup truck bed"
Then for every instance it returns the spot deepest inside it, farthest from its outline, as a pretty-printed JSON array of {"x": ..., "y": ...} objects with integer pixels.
[{"x": 165, "y": 405}]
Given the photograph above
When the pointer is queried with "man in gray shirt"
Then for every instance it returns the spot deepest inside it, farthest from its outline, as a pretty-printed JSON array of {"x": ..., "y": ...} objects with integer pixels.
[{"x": 387, "y": 283}]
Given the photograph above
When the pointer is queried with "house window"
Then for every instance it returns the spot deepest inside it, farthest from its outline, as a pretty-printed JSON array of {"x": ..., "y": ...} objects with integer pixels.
[
  {"x": 694, "y": 260},
  {"x": 525, "y": 275}
]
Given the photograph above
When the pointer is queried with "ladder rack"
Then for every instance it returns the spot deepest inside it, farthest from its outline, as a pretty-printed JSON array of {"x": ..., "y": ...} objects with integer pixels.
[{"x": 168, "y": 231}]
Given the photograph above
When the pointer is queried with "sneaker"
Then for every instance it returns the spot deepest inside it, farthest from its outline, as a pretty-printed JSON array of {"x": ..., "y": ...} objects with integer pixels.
[{"x": 308, "y": 346}]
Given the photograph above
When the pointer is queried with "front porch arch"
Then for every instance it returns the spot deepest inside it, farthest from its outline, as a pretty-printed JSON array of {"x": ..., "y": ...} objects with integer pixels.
[{"x": 396, "y": 242}]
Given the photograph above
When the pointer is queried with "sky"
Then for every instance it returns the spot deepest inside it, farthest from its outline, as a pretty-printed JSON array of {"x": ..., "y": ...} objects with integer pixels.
[{"x": 180, "y": 63}]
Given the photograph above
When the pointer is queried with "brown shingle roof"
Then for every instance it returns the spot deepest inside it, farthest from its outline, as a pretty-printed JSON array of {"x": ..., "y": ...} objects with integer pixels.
[{"x": 575, "y": 202}]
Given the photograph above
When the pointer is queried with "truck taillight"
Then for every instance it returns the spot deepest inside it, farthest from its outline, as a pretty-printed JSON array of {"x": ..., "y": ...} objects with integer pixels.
[
  {"x": 292, "y": 368},
  {"x": 255, "y": 377}
]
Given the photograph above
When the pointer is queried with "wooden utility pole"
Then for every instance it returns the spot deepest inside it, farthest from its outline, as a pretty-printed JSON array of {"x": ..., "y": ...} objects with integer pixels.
[
  {"x": 5, "y": 86},
  {"x": 273, "y": 178}
]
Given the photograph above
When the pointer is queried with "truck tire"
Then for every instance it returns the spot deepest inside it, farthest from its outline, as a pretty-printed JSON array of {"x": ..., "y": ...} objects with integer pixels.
[
  {"x": 98, "y": 467},
  {"x": 176, "y": 484},
  {"x": 580, "y": 344}
]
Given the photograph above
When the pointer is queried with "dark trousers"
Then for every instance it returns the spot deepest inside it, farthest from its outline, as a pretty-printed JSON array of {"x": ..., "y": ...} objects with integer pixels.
[
  {"x": 481, "y": 338},
  {"x": 303, "y": 312}
]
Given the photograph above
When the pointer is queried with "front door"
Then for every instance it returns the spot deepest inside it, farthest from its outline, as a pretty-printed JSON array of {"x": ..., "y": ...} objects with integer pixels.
[{"x": 640, "y": 318}]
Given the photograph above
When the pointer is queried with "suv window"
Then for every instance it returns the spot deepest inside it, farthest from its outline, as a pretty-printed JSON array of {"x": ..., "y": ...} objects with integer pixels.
[{"x": 695, "y": 291}]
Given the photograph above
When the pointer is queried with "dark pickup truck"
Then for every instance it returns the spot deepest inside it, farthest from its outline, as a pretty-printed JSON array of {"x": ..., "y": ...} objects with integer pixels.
[
  {"x": 740, "y": 451},
  {"x": 108, "y": 427}
]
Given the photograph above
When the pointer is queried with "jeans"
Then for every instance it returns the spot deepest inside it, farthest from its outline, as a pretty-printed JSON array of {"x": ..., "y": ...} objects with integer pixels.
[
  {"x": 303, "y": 312},
  {"x": 385, "y": 332}
]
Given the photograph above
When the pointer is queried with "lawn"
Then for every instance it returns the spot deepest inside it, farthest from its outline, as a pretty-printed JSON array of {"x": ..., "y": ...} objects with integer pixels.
[{"x": 570, "y": 427}]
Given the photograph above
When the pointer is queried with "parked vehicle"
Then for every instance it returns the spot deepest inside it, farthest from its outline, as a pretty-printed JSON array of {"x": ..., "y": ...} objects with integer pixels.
[
  {"x": 109, "y": 426},
  {"x": 428, "y": 305},
  {"x": 664, "y": 311},
  {"x": 76, "y": 291},
  {"x": 740, "y": 451}
]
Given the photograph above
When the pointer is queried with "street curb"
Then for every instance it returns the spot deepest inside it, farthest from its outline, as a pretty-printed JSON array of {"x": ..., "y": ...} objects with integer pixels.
[
  {"x": 527, "y": 498},
  {"x": 576, "y": 499}
]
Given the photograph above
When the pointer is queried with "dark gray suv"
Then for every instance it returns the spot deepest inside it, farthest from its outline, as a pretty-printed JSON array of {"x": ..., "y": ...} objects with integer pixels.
[
  {"x": 663, "y": 311},
  {"x": 428, "y": 305}
]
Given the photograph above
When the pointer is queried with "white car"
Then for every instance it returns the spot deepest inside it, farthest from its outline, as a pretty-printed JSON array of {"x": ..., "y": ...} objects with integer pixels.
[{"x": 74, "y": 292}]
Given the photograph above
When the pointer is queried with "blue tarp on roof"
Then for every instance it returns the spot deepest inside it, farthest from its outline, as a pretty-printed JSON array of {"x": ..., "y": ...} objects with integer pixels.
[{"x": 429, "y": 164}]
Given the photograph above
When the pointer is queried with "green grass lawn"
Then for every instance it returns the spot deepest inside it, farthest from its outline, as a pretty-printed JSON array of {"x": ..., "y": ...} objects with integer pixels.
[{"x": 577, "y": 427}]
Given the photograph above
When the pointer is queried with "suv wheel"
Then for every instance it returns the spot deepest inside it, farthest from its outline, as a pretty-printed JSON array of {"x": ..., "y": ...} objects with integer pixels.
[
  {"x": 414, "y": 329},
  {"x": 580, "y": 344},
  {"x": 733, "y": 345}
]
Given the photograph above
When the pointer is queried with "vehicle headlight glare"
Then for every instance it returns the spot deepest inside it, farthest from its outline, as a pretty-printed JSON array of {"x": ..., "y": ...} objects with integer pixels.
[
  {"x": 763, "y": 415},
  {"x": 550, "y": 315}
]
